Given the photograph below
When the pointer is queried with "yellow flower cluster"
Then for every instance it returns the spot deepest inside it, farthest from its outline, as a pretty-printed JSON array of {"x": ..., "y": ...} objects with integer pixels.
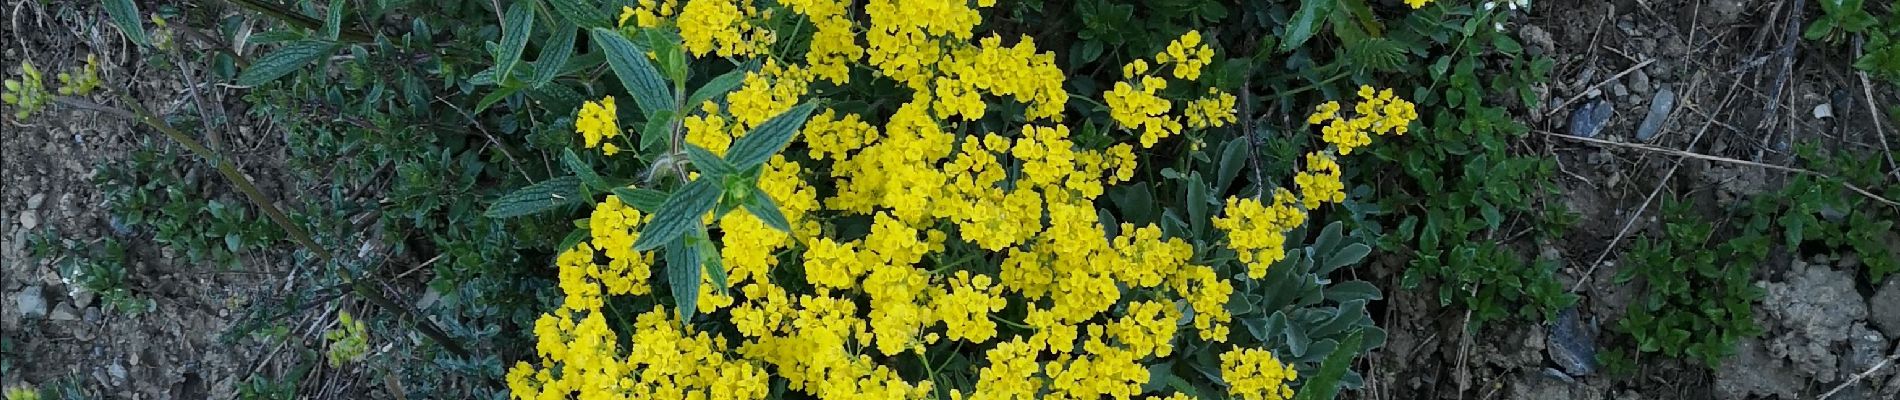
[
  {"x": 970, "y": 228},
  {"x": 663, "y": 362},
  {"x": 1254, "y": 374},
  {"x": 1257, "y": 231},
  {"x": 1417, "y": 4},
  {"x": 599, "y": 120},
  {"x": 834, "y": 45},
  {"x": 649, "y": 15},
  {"x": 1319, "y": 182},
  {"x": 723, "y": 28},
  {"x": 1379, "y": 112},
  {"x": 1214, "y": 110},
  {"x": 1135, "y": 103},
  {"x": 1188, "y": 55}
]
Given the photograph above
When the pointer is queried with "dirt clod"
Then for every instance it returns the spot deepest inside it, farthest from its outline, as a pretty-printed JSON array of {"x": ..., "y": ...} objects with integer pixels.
[{"x": 1811, "y": 313}]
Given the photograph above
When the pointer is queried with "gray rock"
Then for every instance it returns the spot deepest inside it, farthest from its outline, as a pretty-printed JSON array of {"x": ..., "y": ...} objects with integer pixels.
[
  {"x": 1884, "y": 308},
  {"x": 1639, "y": 83},
  {"x": 1724, "y": 12},
  {"x": 1571, "y": 345},
  {"x": 1659, "y": 109},
  {"x": 1619, "y": 90},
  {"x": 1815, "y": 309},
  {"x": 31, "y": 302},
  {"x": 29, "y": 219},
  {"x": 33, "y": 203},
  {"x": 1865, "y": 350},
  {"x": 1588, "y": 121},
  {"x": 64, "y": 312},
  {"x": 1753, "y": 372},
  {"x": 1537, "y": 38}
]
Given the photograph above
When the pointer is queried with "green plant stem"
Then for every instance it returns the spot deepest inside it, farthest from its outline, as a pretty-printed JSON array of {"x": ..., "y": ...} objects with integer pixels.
[{"x": 229, "y": 170}]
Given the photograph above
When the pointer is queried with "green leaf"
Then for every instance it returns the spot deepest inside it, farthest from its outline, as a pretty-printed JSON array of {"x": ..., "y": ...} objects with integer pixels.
[
  {"x": 645, "y": 200},
  {"x": 756, "y": 147},
  {"x": 1296, "y": 339},
  {"x": 581, "y": 169},
  {"x": 554, "y": 55},
  {"x": 718, "y": 86},
  {"x": 1352, "y": 290},
  {"x": 714, "y": 267},
  {"x": 500, "y": 93},
  {"x": 575, "y": 237},
  {"x": 636, "y": 73},
  {"x": 1233, "y": 157},
  {"x": 282, "y": 62},
  {"x": 1197, "y": 203},
  {"x": 1505, "y": 44},
  {"x": 1349, "y": 255},
  {"x": 126, "y": 15},
  {"x": 682, "y": 274},
  {"x": 682, "y": 211},
  {"x": 761, "y": 205},
  {"x": 709, "y": 163},
  {"x": 1325, "y": 384},
  {"x": 517, "y": 24},
  {"x": 536, "y": 198},
  {"x": 1306, "y": 22},
  {"x": 333, "y": 21},
  {"x": 585, "y": 13}
]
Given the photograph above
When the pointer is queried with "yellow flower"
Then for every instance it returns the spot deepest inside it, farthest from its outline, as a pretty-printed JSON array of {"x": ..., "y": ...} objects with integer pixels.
[
  {"x": 598, "y": 120},
  {"x": 1417, "y": 4},
  {"x": 1215, "y": 110},
  {"x": 1254, "y": 374}
]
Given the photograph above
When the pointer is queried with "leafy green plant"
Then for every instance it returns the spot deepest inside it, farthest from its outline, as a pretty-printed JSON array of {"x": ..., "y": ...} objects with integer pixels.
[
  {"x": 98, "y": 268},
  {"x": 150, "y": 192},
  {"x": 1838, "y": 19},
  {"x": 1697, "y": 298}
]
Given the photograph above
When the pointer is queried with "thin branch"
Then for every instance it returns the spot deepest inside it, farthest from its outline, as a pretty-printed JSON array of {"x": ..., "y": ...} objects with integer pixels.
[
  {"x": 1862, "y": 375},
  {"x": 1680, "y": 153}
]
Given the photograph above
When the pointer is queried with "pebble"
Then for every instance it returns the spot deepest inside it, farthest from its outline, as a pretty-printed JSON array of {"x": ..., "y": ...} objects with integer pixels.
[
  {"x": 1587, "y": 121},
  {"x": 1639, "y": 82},
  {"x": 29, "y": 219},
  {"x": 1659, "y": 109},
  {"x": 64, "y": 312},
  {"x": 33, "y": 203},
  {"x": 1619, "y": 90},
  {"x": 1570, "y": 344},
  {"x": 31, "y": 302},
  {"x": 1824, "y": 111}
]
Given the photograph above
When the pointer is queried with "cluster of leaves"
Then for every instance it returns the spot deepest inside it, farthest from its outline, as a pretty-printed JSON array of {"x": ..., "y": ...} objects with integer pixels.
[
  {"x": 1842, "y": 19},
  {"x": 1698, "y": 289},
  {"x": 1462, "y": 190},
  {"x": 97, "y": 267},
  {"x": 387, "y": 156},
  {"x": 174, "y": 203},
  {"x": 1697, "y": 298}
]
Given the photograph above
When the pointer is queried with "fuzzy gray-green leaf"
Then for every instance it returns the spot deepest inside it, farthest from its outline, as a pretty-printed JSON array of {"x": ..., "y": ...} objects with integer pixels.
[
  {"x": 682, "y": 274},
  {"x": 125, "y": 14},
  {"x": 283, "y": 61},
  {"x": 630, "y": 63},
  {"x": 768, "y": 138},
  {"x": 517, "y": 24},
  {"x": 679, "y": 214},
  {"x": 536, "y": 198}
]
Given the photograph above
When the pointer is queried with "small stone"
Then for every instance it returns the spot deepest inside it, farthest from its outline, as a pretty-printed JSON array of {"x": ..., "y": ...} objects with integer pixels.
[
  {"x": 29, "y": 219},
  {"x": 1619, "y": 90},
  {"x": 118, "y": 373},
  {"x": 64, "y": 312},
  {"x": 1639, "y": 82},
  {"x": 1537, "y": 37},
  {"x": 1824, "y": 111},
  {"x": 33, "y": 203},
  {"x": 31, "y": 302},
  {"x": 1588, "y": 121},
  {"x": 82, "y": 297},
  {"x": 68, "y": 206},
  {"x": 1659, "y": 109},
  {"x": 1884, "y": 308},
  {"x": 1571, "y": 346}
]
